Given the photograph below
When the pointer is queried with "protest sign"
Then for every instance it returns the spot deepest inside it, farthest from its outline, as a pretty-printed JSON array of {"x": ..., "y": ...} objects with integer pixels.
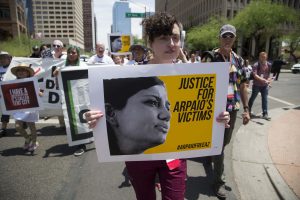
[
  {"x": 155, "y": 112},
  {"x": 119, "y": 44},
  {"x": 20, "y": 95},
  {"x": 74, "y": 82},
  {"x": 43, "y": 70}
]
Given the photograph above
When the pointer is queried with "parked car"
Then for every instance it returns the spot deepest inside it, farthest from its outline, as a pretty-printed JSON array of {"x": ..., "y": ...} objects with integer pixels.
[
  {"x": 295, "y": 68},
  {"x": 84, "y": 58}
]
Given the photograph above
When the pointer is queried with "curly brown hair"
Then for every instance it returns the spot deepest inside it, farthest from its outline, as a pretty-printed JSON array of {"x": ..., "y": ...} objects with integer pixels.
[{"x": 159, "y": 24}]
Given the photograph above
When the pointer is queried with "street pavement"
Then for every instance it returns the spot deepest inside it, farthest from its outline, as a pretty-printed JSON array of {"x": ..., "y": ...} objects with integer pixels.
[{"x": 261, "y": 162}]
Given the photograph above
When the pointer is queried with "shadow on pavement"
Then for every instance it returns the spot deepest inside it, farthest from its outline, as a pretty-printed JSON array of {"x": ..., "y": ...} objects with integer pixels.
[
  {"x": 16, "y": 151},
  {"x": 200, "y": 185},
  {"x": 59, "y": 151}
]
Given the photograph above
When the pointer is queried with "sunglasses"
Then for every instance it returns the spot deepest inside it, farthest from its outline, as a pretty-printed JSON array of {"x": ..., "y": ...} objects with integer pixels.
[
  {"x": 227, "y": 36},
  {"x": 56, "y": 46}
]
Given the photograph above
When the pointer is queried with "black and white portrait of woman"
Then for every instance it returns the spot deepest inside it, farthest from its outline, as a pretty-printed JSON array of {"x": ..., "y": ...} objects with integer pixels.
[
  {"x": 137, "y": 114},
  {"x": 116, "y": 43}
]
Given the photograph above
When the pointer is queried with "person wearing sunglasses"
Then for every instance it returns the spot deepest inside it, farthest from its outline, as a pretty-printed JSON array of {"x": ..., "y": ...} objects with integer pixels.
[
  {"x": 58, "y": 47},
  {"x": 237, "y": 91}
]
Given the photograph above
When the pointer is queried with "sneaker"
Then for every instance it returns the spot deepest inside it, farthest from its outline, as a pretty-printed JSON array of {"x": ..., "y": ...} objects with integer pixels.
[
  {"x": 220, "y": 191},
  {"x": 3, "y": 132},
  {"x": 266, "y": 117},
  {"x": 33, "y": 147},
  {"x": 79, "y": 152},
  {"x": 26, "y": 146}
]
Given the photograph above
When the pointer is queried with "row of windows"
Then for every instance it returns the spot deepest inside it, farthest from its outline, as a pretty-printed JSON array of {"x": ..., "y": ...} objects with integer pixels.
[
  {"x": 57, "y": 26},
  {"x": 59, "y": 31},
  {"x": 51, "y": 8},
  {"x": 54, "y": 17},
  {"x": 59, "y": 36},
  {"x": 53, "y": 22},
  {"x": 56, "y": 3},
  {"x": 52, "y": 12}
]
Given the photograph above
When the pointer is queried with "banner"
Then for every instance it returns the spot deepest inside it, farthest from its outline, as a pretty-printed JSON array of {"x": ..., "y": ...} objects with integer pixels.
[
  {"x": 43, "y": 69},
  {"x": 20, "y": 95},
  {"x": 74, "y": 82},
  {"x": 119, "y": 44},
  {"x": 155, "y": 112}
]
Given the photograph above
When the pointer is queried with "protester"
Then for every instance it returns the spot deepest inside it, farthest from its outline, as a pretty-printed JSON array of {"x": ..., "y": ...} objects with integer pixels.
[
  {"x": 276, "y": 67},
  {"x": 163, "y": 34},
  {"x": 261, "y": 83},
  {"x": 73, "y": 58},
  {"x": 139, "y": 55},
  {"x": 29, "y": 117},
  {"x": 45, "y": 51},
  {"x": 100, "y": 57},
  {"x": 117, "y": 60},
  {"x": 58, "y": 48},
  {"x": 5, "y": 60},
  {"x": 237, "y": 90},
  {"x": 193, "y": 58},
  {"x": 36, "y": 52}
]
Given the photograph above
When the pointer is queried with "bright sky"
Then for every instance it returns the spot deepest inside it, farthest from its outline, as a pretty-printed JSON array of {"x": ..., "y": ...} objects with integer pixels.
[{"x": 103, "y": 11}]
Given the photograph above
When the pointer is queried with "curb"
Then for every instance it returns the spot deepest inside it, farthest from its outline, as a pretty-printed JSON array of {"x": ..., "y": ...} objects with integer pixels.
[{"x": 255, "y": 174}]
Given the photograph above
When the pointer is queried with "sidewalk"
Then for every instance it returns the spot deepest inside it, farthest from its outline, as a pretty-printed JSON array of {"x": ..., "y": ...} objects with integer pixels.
[{"x": 266, "y": 159}]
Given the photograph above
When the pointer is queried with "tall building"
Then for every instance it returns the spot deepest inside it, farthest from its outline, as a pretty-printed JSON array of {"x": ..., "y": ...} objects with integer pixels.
[
  {"x": 88, "y": 25},
  {"x": 121, "y": 24},
  {"x": 56, "y": 19},
  {"x": 194, "y": 13},
  {"x": 12, "y": 19},
  {"x": 197, "y": 12}
]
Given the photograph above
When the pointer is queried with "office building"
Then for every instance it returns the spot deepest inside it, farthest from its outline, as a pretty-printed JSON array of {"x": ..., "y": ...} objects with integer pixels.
[
  {"x": 121, "y": 24},
  {"x": 12, "y": 19},
  {"x": 88, "y": 25},
  {"x": 55, "y": 19}
]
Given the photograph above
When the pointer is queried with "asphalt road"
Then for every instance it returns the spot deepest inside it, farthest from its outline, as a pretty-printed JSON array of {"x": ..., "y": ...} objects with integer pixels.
[{"x": 54, "y": 173}]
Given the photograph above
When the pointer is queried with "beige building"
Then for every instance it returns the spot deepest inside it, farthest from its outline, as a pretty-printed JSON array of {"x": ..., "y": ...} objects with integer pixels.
[
  {"x": 12, "y": 19},
  {"x": 56, "y": 19},
  {"x": 197, "y": 12}
]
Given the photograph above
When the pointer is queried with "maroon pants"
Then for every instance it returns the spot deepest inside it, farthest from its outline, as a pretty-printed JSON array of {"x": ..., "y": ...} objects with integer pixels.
[{"x": 142, "y": 176}]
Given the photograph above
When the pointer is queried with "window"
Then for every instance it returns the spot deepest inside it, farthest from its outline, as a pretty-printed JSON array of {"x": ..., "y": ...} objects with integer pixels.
[{"x": 4, "y": 13}]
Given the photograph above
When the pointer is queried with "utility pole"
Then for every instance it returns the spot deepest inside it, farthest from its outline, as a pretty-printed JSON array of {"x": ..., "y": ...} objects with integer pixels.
[{"x": 166, "y": 5}]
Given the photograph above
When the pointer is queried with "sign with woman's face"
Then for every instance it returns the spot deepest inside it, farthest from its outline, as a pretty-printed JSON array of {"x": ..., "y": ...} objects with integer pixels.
[
  {"x": 119, "y": 44},
  {"x": 156, "y": 112}
]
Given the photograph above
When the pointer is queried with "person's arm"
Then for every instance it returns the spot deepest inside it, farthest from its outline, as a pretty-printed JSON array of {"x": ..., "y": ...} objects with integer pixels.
[{"x": 244, "y": 99}]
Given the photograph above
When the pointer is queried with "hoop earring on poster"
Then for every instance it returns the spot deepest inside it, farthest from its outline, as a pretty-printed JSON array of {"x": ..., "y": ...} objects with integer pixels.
[{"x": 111, "y": 115}]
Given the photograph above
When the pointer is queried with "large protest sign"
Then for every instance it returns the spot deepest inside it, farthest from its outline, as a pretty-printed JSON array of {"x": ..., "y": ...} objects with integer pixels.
[
  {"x": 20, "y": 95},
  {"x": 43, "y": 69},
  {"x": 119, "y": 44},
  {"x": 74, "y": 82},
  {"x": 156, "y": 112}
]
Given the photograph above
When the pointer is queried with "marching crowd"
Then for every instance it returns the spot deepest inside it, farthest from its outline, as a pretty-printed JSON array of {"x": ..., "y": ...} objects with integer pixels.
[{"x": 163, "y": 32}]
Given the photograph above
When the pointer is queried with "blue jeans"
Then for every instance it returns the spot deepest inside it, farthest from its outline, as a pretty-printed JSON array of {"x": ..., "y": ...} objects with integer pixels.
[{"x": 264, "y": 91}]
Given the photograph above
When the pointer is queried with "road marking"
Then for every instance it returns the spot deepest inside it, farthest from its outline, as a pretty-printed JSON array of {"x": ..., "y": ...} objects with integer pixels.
[{"x": 281, "y": 101}]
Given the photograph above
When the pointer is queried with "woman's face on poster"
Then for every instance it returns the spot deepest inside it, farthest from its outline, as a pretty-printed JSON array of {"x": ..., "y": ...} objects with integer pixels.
[
  {"x": 116, "y": 44},
  {"x": 145, "y": 119}
]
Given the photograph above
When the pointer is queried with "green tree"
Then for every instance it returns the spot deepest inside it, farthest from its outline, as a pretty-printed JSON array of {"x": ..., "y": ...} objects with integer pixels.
[
  {"x": 137, "y": 40},
  {"x": 19, "y": 46},
  {"x": 204, "y": 37},
  {"x": 262, "y": 19}
]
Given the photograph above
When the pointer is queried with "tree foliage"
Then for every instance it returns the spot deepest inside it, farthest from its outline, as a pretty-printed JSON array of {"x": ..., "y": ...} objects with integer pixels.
[
  {"x": 205, "y": 37},
  {"x": 263, "y": 18},
  {"x": 19, "y": 46}
]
